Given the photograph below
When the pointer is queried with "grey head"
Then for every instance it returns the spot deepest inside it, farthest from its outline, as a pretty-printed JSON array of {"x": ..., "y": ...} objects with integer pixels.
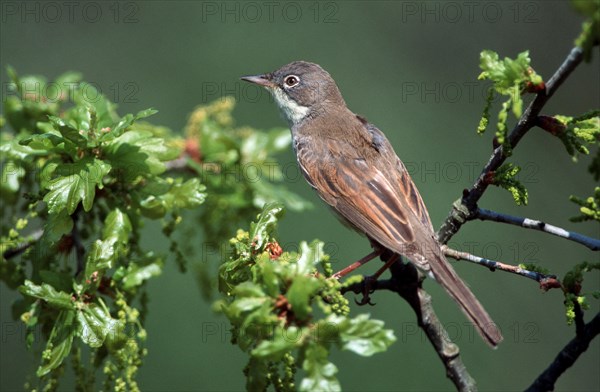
[{"x": 300, "y": 90}]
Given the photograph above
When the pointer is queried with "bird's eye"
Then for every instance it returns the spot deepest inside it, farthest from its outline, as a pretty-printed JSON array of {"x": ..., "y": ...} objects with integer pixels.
[{"x": 291, "y": 81}]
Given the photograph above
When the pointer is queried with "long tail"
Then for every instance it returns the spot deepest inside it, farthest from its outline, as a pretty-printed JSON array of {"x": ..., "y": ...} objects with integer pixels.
[{"x": 449, "y": 279}]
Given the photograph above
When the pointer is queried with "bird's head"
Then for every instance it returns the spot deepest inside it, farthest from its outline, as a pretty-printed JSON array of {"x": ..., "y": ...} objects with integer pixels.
[{"x": 299, "y": 88}]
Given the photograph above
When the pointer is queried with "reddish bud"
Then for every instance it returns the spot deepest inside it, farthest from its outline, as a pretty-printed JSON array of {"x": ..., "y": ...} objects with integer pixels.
[
  {"x": 551, "y": 125},
  {"x": 549, "y": 283},
  {"x": 490, "y": 177},
  {"x": 274, "y": 250},
  {"x": 192, "y": 149},
  {"x": 535, "y": 88}
]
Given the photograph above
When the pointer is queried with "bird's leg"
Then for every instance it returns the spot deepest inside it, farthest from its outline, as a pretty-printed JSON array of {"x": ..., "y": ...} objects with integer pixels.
[
  {"x": 387, "y": 265},
  {"x": 356, "y": 264},
  {"x": 366, "y": 299}
]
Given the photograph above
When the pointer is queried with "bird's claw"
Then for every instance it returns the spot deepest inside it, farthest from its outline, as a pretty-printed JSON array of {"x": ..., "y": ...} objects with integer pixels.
[
  {"x": 364, "y": 301},
  {"x": 367, "y": 291}
]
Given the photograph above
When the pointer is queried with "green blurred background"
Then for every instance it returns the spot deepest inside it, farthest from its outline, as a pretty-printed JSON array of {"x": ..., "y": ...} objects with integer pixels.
[{"x": 410, "y": 68}]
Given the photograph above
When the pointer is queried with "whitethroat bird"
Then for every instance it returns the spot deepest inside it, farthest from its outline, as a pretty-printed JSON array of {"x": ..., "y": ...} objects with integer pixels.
[{"x": 354, "y": 169}]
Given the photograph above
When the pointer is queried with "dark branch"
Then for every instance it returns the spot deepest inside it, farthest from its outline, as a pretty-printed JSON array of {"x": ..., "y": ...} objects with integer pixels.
[
  {"x": 579, "y": 322},
  {"x": 78, "y": 244},
  {"x": 465, "y": 208},
  {"x": 23, "y": 246},
  {"x": 567, "y": 357},
  {"x": 483, "y": 214},
  {"x": 406, "y": 282}
]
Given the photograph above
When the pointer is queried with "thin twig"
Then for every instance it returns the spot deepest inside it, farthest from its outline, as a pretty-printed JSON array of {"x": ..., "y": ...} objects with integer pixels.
[
  {"x": 546, "y": 281},
  {"x": 464, "y": 209},
  {"x": 566, "y": 357},
  {"x": 483, "y": 214},
  {"x": 23, "y": 246}
]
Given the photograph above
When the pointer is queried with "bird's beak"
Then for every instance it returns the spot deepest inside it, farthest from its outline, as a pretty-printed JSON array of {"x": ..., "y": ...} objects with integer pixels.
[{"x": 261, "y": 80}]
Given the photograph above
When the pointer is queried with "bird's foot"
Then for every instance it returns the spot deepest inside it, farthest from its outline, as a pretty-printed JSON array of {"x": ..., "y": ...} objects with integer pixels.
[{"x": 367, "y": 291}]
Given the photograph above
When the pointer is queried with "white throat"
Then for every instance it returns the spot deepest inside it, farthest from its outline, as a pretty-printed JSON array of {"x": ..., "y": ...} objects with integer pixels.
[{"x": 292, "y": 111}]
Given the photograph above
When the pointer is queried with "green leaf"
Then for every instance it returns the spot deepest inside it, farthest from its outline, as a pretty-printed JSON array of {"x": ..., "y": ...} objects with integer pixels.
[
  {"x": 138, "y": 270},
  {"x": 145, "y": 113},
  {"x": 118, "y": 225},
  {"x": 95, "y": 324},
  {"x": 365, "y": 336},
  {"x": 94, "y": 108},
  {"x": 68, "y": 131},
  {"x": 187, "y": 194},
  {"x": 121, "y": 126},
  {"x": 68, "y": 80},
  {"x": 45, "y": 142},
  {"x": 310, "y": 257},
  {"x": 59, "y": 280},
  {"x": 510, "y": 78},
  {"x": 101, "y": 257},
  {"x": 172, "y": 195},
  {"x": 75, "y": 182},
  {"x": 57, "y": 299},
  {"x": 12, "y": 149},
  {"x": 113, "y": 245},
  {"x": 256, "y": 372},
  {"x": 128, "y": 120},
  {"x": 270, "y": 279},
  {"x": 243, "y": 305},
  {"x": 136, "y": 275},
  {"x": 248, "y": 289},
  {"x": 137, "y": 152},
  {"x": 57, "y": 225},
  {"x": 261, "y": 231},
  {"x": 59, "y": 343},
  {"x": 283, "y": 341},
  {"x": 507, "y": 73},
  {"x": 300, "y": 294},
  {"x": 320, "y": 373}
]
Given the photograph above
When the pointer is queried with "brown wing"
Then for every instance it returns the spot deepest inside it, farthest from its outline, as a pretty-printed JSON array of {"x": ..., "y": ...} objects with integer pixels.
[
  {"x": 389, "y": 211},
  {"x": 401, "y": 175}
]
